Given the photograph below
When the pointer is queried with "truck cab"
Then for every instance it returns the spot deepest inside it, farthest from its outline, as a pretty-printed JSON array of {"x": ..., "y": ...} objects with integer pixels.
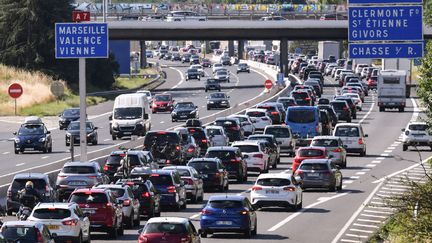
[{"x": 391, "y": 87}]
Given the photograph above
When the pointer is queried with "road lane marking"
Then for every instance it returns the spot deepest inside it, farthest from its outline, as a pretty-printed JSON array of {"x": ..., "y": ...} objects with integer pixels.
[
  {"x": 376, "y": 161},
  {"x": 360, "y": 173},
  {"x": 370, "y": 165},
  {"x": 44, "y": 157},
  {"x": 369, "y": 111},
  {"x": 362, "y": 231},
  {"x": 366, "y": 225},
  {"x": 381, "y": 212},
  {"x": 368, "y": 220},
  {"x": 20, "y": 164},
  {"x": 351, "y": 241},
  {"x": 357, "y": 236},
  {"x": 5, "y": 152},
  {"x": 107, "y": 139},
  {"x": 195, "y": 216},
  {"x": 182, "y": 79},
  {"x": 354, "y": 177}
]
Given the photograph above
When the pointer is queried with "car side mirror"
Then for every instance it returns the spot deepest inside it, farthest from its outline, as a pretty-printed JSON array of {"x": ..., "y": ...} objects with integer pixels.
[
  {"x": 330, "y": 156},
  {"x": 48, "y": 132},
  {"x": 96, "y": 128},
  {"x": 146, "y": 116},
  {"x": 14, "y": 133},
  {"x": 110, "y": 118},
  {"x": 298, "y": 179},
  {"x": 196, "y": 107},
  {"x": 403, "y": 129},
  {"x": 337, "y": 167},
  {"x": 140, "y": 231},
  {"x": 366, "y": 135},
  {"x": 295, "y": 136}
]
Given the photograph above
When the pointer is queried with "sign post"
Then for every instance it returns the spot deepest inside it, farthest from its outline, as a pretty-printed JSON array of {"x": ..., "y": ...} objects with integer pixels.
[
  {"x": 81, "y": 40},
  {"x": 15, "y": 90}
]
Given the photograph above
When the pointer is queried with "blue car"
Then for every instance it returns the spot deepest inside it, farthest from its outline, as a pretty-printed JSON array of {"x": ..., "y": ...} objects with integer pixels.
[
  {"x": 304, "y": 121},
  {"x": 32, "y": 136},
  {"x": 228, "y": 213},
  {"x": 171, "y": 188}
]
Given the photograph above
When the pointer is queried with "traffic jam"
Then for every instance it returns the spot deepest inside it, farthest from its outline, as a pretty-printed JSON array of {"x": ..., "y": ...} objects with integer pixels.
[{"x": 177, "y": 167}]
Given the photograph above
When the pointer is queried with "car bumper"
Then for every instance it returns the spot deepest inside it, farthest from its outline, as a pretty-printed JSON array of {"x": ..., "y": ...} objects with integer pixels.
[
  {"x": 162, "y": 108},
  {"x": 260, "y": 203},
  {"x": 218, "y": 105},
  {"x": 318, "y": 183},
  {"x": 128, "y": 131},
  {"x": 183, "y": 116},
  {"x": 417, "y": 143},
  {"x": 168, "y": 200},
  {"x": 35, "y": 146}
]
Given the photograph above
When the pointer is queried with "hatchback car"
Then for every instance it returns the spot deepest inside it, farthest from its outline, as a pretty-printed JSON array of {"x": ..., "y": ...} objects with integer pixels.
[
  {"x": 67, "y": 116},
  {"x": 308, "y": 153},
  {"x": 232, "y": 160},
  {"x": 217, "y": 135},
  {"x": 416, "y": 134},
  {"x": 272, "y": 145},
  {"x": 335, "y": 149},
  {"x": 168, "y": 229},
  {"x": 353, "y": 136},
  {"x": 200, "y": 136},
  {"x": 350, "y": 103},
  {"x": 193, "y": 73},
  {"x": 222, "y": 76},
  {"x": 113, "y": 162},
  {"x": 302, "y": 98},
  {"x": 212, "y": 84},
  {"x": 212, "y": 172},
  {"x": 246, "y": 123},
  {"x": 259, "y": 118},
  {"x": 273, "y": 111},
  {"x": 342, "y": 110},
  {"x": 26, "y": 231},
  {"x": 165, "y": 146},
  {"x": 255, "y": 154},
  {"x": 228, "y": 214},
  {"x": 193, "y": 182},
  {"x": 283, "y": 136},
  {"x": 287, "y": 101},
  {"x": 277, "y": 190},
  {"x": 320, "y": 173},
  {"x": 184, "y": 111},
  {"x": 171, "y": 188},
  {"x": 73, "y": 133},
  {"x": 162, "y": 102},
  {"x": 32, "y": 136},
  {"x": 331, "y": 112},
  {"x": 243, "y": 67},
  {"x": 232, "y": 128},
  {"x": 217, "y": 100},
  {"x": 66, "y": 220}
]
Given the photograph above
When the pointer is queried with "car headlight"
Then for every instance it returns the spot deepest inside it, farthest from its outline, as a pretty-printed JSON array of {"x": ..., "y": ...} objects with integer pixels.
[
  {"x": 173, "y": 113},
  {"x": 192, "y": 112},
  {"x": 68, "y": 134},
  {"x": 115, "y": 124},
  {"x": 140, "y": 123},
  {"x": 42, "y": 139},
  {"x": 17, "y": 140},
  {"x": 211, "y": 102},
  {"x": 91, "y": 134},
  {"x": 224, "y": 101}
]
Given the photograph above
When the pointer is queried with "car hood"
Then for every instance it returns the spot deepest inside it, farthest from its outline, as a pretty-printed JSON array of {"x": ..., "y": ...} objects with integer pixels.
[
  {"x": 30, "y": 137},
  {"x": 77, "y": 132},
  {"x": 70, "y": 118},
  {"x": 217, "y": 99},
  {"x": 183, "y": 109},
  {"x": 161, "y": 102}
]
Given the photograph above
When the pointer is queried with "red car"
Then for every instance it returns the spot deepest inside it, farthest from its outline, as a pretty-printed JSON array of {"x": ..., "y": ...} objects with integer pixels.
[
  {"x": 308, "y": 153},
  {"x": 104, "y": 212},
  {"x": 205, "y": 62},
  {"x": 373, "y": 82},
  {"x": 170, "y": 230},
  {"x": 162, "y": 102}
]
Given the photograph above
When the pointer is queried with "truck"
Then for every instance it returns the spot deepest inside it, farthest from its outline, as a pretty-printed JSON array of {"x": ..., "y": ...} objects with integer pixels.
[
  {"x": 391, "y": 88},
  {"x": 327, "y": 49}
]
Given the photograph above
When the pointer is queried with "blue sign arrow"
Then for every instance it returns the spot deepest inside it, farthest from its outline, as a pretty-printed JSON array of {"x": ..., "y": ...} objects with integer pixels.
[
  {"x": 383, "y": 1},
  {"x": 385, "y": 50}
]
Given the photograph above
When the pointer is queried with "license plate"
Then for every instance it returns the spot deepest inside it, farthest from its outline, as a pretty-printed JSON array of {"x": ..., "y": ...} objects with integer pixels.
[
  {"x": 127, "y": 133},
  {"x": 53, "y": 227},
  {"x": 272, "y": 191},
  {"x": 31, "y": 149},
  {"x": 77, "y": 183},
  {"x": 347, "y": 142},
  {"x": 90, "y": 211},
  {"x": 223, "y": 222},
  {"x": 418, "y": 135},
  {"x": 183, "y": 116},
  {"x": 313, "y": 174}
]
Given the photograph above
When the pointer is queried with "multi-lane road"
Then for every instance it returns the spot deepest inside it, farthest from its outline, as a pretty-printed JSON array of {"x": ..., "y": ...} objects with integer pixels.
[{"x": 347, "y": 216}]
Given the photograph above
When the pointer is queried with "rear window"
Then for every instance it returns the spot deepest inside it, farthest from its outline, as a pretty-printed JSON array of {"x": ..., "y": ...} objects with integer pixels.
[
  {"x": 301, "y": 116},
  {"x": 213, "y": 132},
  {"x": 51, "y": 213},
  {"x": 182, "y": 172},
  {"x": 83, "y": 198},
  {"x": 313, "y": 166},
  {"x": 226, "y": 123},
  {"x": 274, "y": 182},
  {"x": 226, "y": 204},
  {"x": 248, "y": 148},
  {"x": 266, "y": 107},
  {"x": 197, "y": 133},
  {"x": 161, "y": 138},
  {"x": 79, "y": 170},
  {"x": 133, "y": 160},
  {"x": 310, "y": 152},
  {"x": 325, "y": 143},
  {"x": 418, "y": 127},
  {"x": 300, "y": 95},
  {"x": 161, "y": 179},
  {"x": 168, "y": 228},
  {"x": 347, "y": 132},
  {"x": 23, "y": 233},
  {"x": 256, "y": 114},
  {"x": 117, "y": 192},
  {"x": 278, "y": 132},
  {"x": 339, "y": 105},
  {"x": 114, "y": 159},
  {"x": 39, "y": 184},
  {"x": 203, "y": 167},
  {"x": 222, "y": 155}
]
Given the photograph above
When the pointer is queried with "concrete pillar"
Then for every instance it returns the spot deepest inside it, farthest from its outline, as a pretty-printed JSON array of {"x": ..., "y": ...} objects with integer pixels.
[
  {"x": 240, "y": 46},
  {"x": 268, "y": 45},
  {"x": 284, "y": 57},
  {"x": 143, "y": 56},
  {"x": 231, "y": 48}
]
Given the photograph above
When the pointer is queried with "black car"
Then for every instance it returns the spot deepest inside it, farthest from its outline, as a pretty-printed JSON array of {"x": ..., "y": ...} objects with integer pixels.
[
  {"x": 184, "y": 111},
  {"x": 218, "y": 100},
  {"x": 273, "y": 111},
  {"x": 232, "y": 128},
  {"x": 326, "y": 122},
  {"x": 193, "y": 123},
  {"x": 212, "y": 84},
  {"x": 287, "y": 102},
  {"x": 73, "y": 132},
  {"x": 302, "y": 98},
  {"x": 113, "y": 162},
  {"x": 165, "y": 146},
  {"x": 186, "y": 58},
  {"x": 323, "y": 101},
  {"x": 232, "y": 159},
  {"x": 32, "y": 136},
  {"x": 243, "y": 67},
  {"x": 342, "y": 110},
  {"x": 213, "y": 173},
  {"x": 200, "y": 137},
  {"x": 350, "y": 103},
  {"x": 192, "y": 73},
  {"x": 332, "y": 113},
  {"x": 176, "y": 57},
  {"x": 316, "y": 86},
  {"x": 68, "y": 115},
  {"x": 171, "y": 188}
]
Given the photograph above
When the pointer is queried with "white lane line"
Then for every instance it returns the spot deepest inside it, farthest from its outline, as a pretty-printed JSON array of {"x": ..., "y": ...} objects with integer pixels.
[
  {"x": 380, "y": 158},
  {"x": 351, "y": 241},
  {"x": 373, "y": 216},
  {"x": 20, "y": 164},
  {"x": 347, "y": 181},
  {"x": 107, "y": 139},
  {"x": 369, "y": 111},
  {"x": 5, "y": 152},
  {"x": 370, "y": 165},
  {"x": 294, "y": 215},
  {"x": 391, "y": 148},
  {"x": 394, "y": 189},
  {"x": 379, "y": 212},
  {"x": 362, "y": 231},
  {"x": 182, "y": 78},
  {"x": 400, "y": 171},
  {"x": 100, "y": 115},
  {"x": 45, "y": 157},
  {"x": 388, "y": 151},
  {"x": 162, "y": 122},
  {"x": 376, "y": 161},
  {"x": 357, "y": 236},
  {"x": 366, "y": 225},
  {"x": 195, "y": 216},
  {"x": 365, "y": 169},
  {"x": 384, "y": 155},
  {"x": 361, "y": 172},
  {"x": 354, "y": 177},
  {"x": 368, "y": 220},
  {"x": 203, "y": 106}
]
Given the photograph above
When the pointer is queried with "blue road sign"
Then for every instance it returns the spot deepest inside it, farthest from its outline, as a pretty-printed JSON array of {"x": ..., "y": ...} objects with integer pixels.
[
  {"x": 383, "y": 1},
  {"x": 385, "y": 50},
  {"x": 389, "y": 23},
  {"x": 81, "y": 40}
]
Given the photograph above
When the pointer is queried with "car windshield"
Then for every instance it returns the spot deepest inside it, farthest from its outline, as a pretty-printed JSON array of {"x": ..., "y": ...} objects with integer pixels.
[
  {"x": 38, "y": 184},
  {"x": 301, "y": 116},
  {"x": 325, "y": 142},
  {"x": 204, "y": 167},
  {"x": 31, "y": 129},
  {"x": 114, "y": 159},
  {"x": 225, "y": 204},
  {"x": 85, "y": 198},
  {"x": 225, "y": 123},
  {"x": 256, "y": 114},
  {"x": 163, "y": 98},
  {"x": 278, "y": 132},
  {"x": 347, "y": 131},
  {"x": 22, "y": 234},
  {"x": 313, "y": 166},
  {"x": 192, "y": 71},
  {"x": 198, "y": 134},
  {"x": 213, "y": 132},
  {"x": 51, "y": 213},
  {"x": 185, "y": 105},
  {"x": 161, "y": 138},
  {"x": 273, "y": 182},
  {"x": 71, "y": 112},
  {"x": 165, "y": 227},
  {"x": 158, "y": 179},
  {"x": 76, "y": 126},
  {"x": 418, "y": 127},
  {"x": 299, "y": 95},
  {"x": 266, "y": 107},
  {"x": 217, "y": 96},
  {"x": 79, "y": 170},
  {"x": 242, "y": 65},
  {"x": 248, "y": 148},
  {"x": 211, "y": 81},
  {"x": 127, "y": 113},
  {"x": 310, "y": 152},
  {"x": 182, "y": 172},
  {"x": 222, "y": 155}
]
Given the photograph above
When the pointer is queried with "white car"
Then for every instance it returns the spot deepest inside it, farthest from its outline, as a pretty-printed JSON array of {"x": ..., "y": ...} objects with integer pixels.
[
  {"x": 357, "y": 101},
  {"x": 217, "y": 135},
  {"x": 147, "y": 93},
  {"x": 416, "y": 134},
  {"x": 254, "y": 153},
  {"x": 352, "y": 136},
  {"x": 67, "y": 220},
  {"x": 246, "y": 123},
  {"x": 277, "y": 189},
  {"x": 199, "y": 68},
  {"x": 283, "y": 136},
  {"x": 217, "y": 66},
  {"x": 259, "y": 118}
]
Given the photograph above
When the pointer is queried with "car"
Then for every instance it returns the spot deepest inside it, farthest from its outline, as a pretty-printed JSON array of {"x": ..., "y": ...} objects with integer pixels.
[
  {"x": 32, "y": 136},
  {"x": 193, "y": 123},
  {"x": 217, "y": 66},
  {"x": 335, "y": 149},
  {"x": 149, "y": 54},
  {"x": 136, "y": 158},
  {"x": 342, "y": 110},
  {"x": 145, "y": 192},
  {"x": 225, "y": 60},
  {"x": 200, "y": 136},
  {"x": 353, "y": 136},
  {"x": 416, "y": 134},
  {"x": 287, "y": 101},
  {"x": 372, "y": 82},
  {"x": 147, "y": 93},
  {"x": 320, "y": 173},
  {"x": 41, "y": 183},
  {"x": 315, "y": 83},
  {"x": 66, "y": 220},
  {"x": 273, "y": 111},
  {"x": 217, "y": 135},
  {"x": 351, "y": 105},
  {"x": 169, "y": 229},
  {"x": 272, "y": 18},
  {"x": 357, "y": 100},
  {"x": 255, "y": 154},
  {"x": 243, "y": 67},
  {"x": 228, "y": 213},
  {"x": 323, "y": 101},
  {"x": 326, "y": 122},
  {"x": 68, "y": 115},
  {"x": 79, "y": 174},
  {"x": 259, "y": 118},
  {"x": 189, "y": 145},
  {"x": 331, "y": 112},
  {"x": 311, "y": 152},
  {"x": 212, "y": 84},
  {"x": 277, "y": 190},
  {"x": 105, "y": 214},
  {"x": 194, "y": 59},
  {"x": 284, "y": 138},
  {"x": 232, "y": 128},
  {"x": 162, "y": 102},
  {"x": 193, "y": 73},
  {"x": 232, "y": 159},
  {"x": 217, "y": 100},
  {"x": 205, "y": 62},
  {"x": 171, "y": 188},
  {"x": 176, "y": 57},
  {"x": 272, "y": 145},
  {"x": 28, "y": 231},
  {"x": 304, "y": 121},
  {"x": 184, "y": 111},
  {"x": 165, "y": 146},
  {"x": 73, "y": 133},
  {"x": 302, "y": 98},
  {"x": 193, "y": 182},
  {"x": 200, "y": 69},
  {"x": 222, "y": 76},
  {"x": 213, "y": 173},
  {"x": 246, "y": 123},
  {"x": 186, "y": 58}
]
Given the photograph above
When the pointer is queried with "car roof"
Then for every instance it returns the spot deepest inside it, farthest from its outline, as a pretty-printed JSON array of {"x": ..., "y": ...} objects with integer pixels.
[
  {"x": 109, "y": 186},
  {"x": 218, "y": 148},
  {"x": 213, "y": 127},
  {"x": 215, "y": 160},
  {"x": 226, "y": 197},
  {"x": 118, "y": 152},
  {"x": 261, "y": 136},
  {"x": 175, "y": 167},
  {"x": 302, "y": 108},
  {"x": 325, "y": 137},
  {"x": 315, "y": 161},
  {"x": 55, "y": 205},
  {"x": 255, "y": 110},
  {"x": 276, "y": 126},
  {"x": 177, "y": 220},
  {"x": 78, "y": 163},
  {"x": 162, "y": 172},
  {"x": 84, "y": 190},
  {"x": 246, "y": 142},
  {"x": 346, "y": 124},
  {"x": 30, "y": 176},
  {"x": 275, "y": 175},
  {"x": 22, "y": 223},
  {"x": 417, "y": 123},
  {"x": 313, "y": 147}
]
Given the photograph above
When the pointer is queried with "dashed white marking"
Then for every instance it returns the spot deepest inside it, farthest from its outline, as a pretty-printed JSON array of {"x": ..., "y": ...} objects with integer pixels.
[
  {"x": 351, "y": 241},
  {"x": 380, "y": 158},
  {"x": 370, "y": 165},
  {"x": 362, "y": 231},
  {"x": 195, "y": 216},
  {"x": 366, "y": 225},
  {"x": 369, "y": 220},
  {"x": 20, "y": 164},
  {"x": 379, "y": 212},
  {"x": 365, "y": 169},
  {"x": 373, "y": 216},
  {"x": 357, "y": 236},
  {"x": 391, "y": 148},
  {"x": 162, "y": 122},
  {"x": 5, "y": 152},
  {"x": 384, "y": 155},
  {"x": 354, "y": 177},
  {"x": 45, "y": 157},
  {"x": 360, "y": 173},
  {"x": 107, "y": 139},
  {"x": 347, "y": 181},
  {"x": 376, "y": 161},
  {"x": 388, "y": 151}
]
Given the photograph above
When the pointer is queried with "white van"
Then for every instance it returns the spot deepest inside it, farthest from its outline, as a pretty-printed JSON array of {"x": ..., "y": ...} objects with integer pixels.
[{"x": 130, "y": 116}]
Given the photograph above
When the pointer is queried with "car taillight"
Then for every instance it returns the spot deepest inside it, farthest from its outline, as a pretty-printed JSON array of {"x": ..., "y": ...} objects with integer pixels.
[
  {"x": 360, "y": 141},
  {"x": 299, "y": 172},
  {"x": 142, "y": 239},
  {"x": 204, "y": 141},
  {"x": 275, "y": 113},
  {"x": 70, "y": 222},
  {"x": 345, "y": 108},
  {"x": 243, "y": 212},
  {"x": 337, "y": 150},
  {"x": 188, "y": 181},
  {"x": 256, "y": 188},
  {"x": 178, "y": 147},
  {"x": 92, "y": 177},
  {"x": 127, "y": 202},
  {"x": 171, "y": 189},
  {"x": 107, "y": 167},
  {"x": 185, "y": 239},
  {"x": 258, "y": 156},
  {"x": 191, "y": 149},
  {"x": 289, "y": 189},
  {"x": 205, "y": 212},
  {"x": 235, "y": 160},
  {"x": 307, "y": 98},
  {"x": 39, "y": 236},
  {"x": 236, "y": 128},
  {"x": 145, "y": 194}
]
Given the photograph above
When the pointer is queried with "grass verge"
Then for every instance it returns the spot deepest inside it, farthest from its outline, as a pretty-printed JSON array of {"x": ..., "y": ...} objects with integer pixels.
[{"x": 134, "y": 81}]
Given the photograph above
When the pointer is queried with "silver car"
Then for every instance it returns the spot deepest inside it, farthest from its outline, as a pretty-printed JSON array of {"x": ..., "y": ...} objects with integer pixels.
[
  {"x": 78, "y": 174},
  {"x": 193, "y": 182},
  {"x": 284, "y": 137},
  {"x": 334, "y": 147},
  {"x": 217, "y": 135},
  {"x": 246, "y": 123}
]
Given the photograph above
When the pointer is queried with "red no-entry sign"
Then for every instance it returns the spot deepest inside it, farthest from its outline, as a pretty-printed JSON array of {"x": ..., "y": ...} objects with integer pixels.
[
  {"x": 268, "y": 84},
  {"x": 15, "y": 90}
]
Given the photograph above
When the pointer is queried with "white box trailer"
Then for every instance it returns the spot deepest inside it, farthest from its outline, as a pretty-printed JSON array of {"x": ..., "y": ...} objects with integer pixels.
[
  {"x": 328, "y": 48},
  {"x": 392, "y": 90}
]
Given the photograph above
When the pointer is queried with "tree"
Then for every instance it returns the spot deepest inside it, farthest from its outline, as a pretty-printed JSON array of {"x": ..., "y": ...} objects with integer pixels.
[{"x": 425, "y": 82}]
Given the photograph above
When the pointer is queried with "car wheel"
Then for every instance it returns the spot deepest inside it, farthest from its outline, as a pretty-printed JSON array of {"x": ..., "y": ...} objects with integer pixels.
[
  {"x": 184, "y": 205},
  {"x": 274, "y": 166},
  {"x": 247, "y": 233},
  {"x": 95, "y": 142},
  {"x": 208, "y": 108},
  {"x": 136, "y": 222},
  {"x": 226, "y": 188},
  {"x": 206, "y": 90},
  {"x": 130, "y": 222},
  {"x": 173, "y": 120},
  {"x": 16, "y": 151},
  {"x": 50, "y": 149},
  {"x": 339, "y": 187},
  {"x": 203, "y": 234},
  {"x": 404, "y": 147},
  {"x": 221, "y": 188},
  {"x": 114, "y": 137},
  {"x": 79, "y": 239},
  {"x": 333, "y": 187},
  {"x": 344, "y": 164},
  {"x": 44, "y": 150},
  {"x": 348, "y": 120},
  {"x": 240, "y": 177},
  {"x": 113, "y": 233},
  {"x": 363, "y": 153},
  {"x": 300, "y": 205},
  {"x": 194, "y": 199},
  {"x": 121, "y": 230},
  {"x": 254, "y": 231}
]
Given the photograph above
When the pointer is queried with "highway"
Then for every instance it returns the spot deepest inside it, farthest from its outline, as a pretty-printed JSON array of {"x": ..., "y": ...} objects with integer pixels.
[{"x": 325, "y": 217}]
